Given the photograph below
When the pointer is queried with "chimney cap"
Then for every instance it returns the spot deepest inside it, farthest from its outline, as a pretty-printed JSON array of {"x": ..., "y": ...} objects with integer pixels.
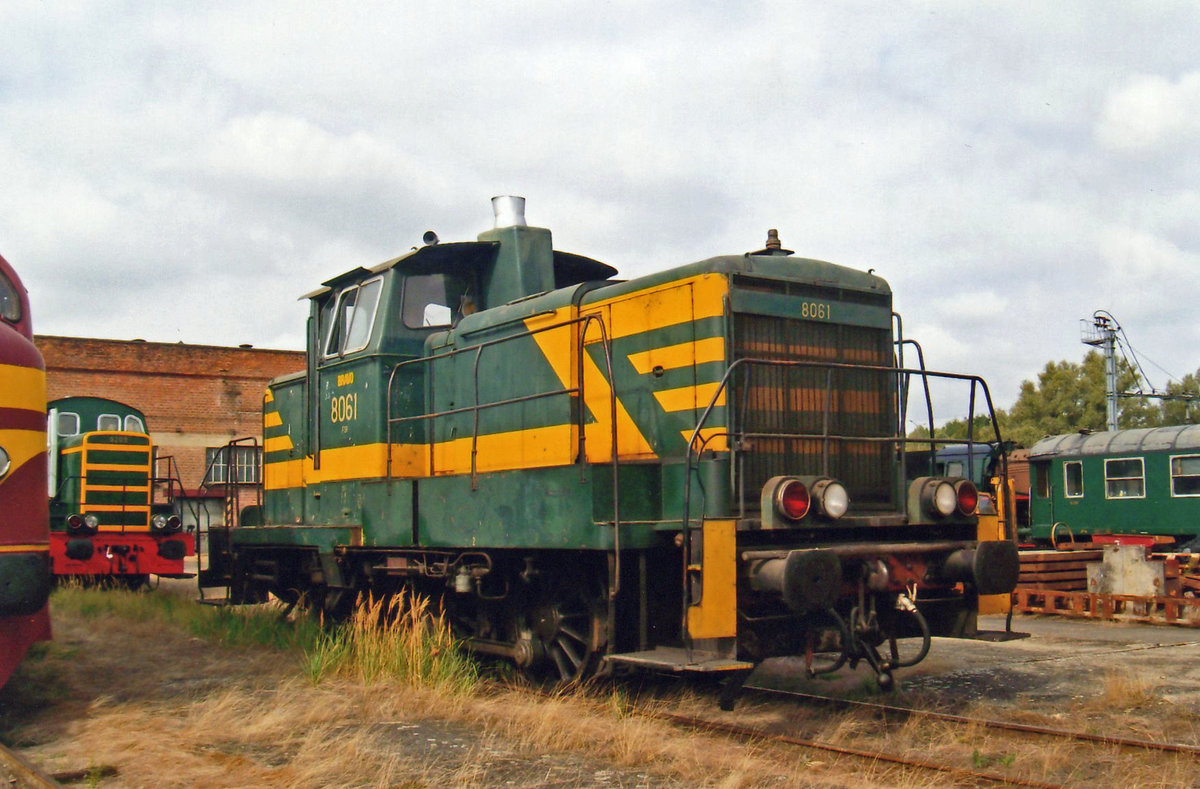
[{"x": 509, "y": 211}]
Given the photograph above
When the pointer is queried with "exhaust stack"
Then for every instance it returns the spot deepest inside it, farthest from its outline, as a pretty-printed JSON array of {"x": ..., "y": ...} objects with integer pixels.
[
  {"x": 509, "y": 211},
  {"x": 524, "y": 262}
]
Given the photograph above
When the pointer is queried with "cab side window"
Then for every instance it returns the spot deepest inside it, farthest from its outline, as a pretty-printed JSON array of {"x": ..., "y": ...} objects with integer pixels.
[{"x": 437, "y": 299}]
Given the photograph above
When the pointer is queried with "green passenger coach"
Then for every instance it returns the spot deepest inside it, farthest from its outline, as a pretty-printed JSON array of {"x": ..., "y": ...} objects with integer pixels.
[{"x": 1128, "y": 482}]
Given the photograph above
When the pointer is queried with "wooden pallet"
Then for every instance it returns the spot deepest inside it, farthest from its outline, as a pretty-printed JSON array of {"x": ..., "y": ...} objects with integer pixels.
[
  {"x": 1061, "y": 570},
  {"x": 1127, "y": 608}
]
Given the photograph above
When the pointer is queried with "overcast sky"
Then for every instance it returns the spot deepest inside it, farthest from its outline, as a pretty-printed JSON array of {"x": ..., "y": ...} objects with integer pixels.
[{"x": 185, "y": 171}]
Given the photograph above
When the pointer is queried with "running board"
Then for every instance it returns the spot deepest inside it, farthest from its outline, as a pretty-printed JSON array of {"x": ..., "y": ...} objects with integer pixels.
[{"x": 678, "y": 660}]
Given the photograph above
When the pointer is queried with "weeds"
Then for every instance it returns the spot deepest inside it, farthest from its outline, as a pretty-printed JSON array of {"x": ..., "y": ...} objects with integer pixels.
[
  {"x": 238, "y": 627},
  {"x": 394, "y": 638}
]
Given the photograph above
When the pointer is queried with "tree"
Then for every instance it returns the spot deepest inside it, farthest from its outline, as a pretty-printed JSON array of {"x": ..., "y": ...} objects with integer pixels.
[
  {"x": 1069, "y": 397},
  {"x": 1180, "y": 411}
]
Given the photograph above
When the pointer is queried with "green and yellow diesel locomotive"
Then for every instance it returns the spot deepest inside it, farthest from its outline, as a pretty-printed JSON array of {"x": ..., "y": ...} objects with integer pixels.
[
  {"x": 105, "y": 523},
  {"x": 693, "y": 470}
]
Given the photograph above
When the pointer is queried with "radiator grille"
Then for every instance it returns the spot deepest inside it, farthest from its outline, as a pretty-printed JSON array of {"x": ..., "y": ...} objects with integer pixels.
[{"x": 814, "y": 400}]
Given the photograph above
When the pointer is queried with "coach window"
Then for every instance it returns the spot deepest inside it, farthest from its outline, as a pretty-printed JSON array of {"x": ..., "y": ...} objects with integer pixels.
[
  {"x": 1185, "y": 475},
  {"x": 134, "y": 425},
  {"x": 1124, "y": 478},
  {"x": 1073, "y": 479},
  {"x": 352, "y": 318},
  {"x": 1041, "y": 479},
  {"x": 108, "y": 422},
  {"x": 68, "y": 423}
]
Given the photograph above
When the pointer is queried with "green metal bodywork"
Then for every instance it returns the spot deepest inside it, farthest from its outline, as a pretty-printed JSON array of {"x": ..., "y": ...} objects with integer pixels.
[{"x": 561, "y": 505}]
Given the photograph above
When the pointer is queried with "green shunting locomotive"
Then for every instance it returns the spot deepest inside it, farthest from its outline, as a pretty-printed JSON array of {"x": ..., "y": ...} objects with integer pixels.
[{"x": 690, "y": 471}]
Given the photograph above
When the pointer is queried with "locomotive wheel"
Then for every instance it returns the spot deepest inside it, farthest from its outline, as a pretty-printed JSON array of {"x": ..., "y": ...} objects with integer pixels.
[
  {"x": 569, "y": 621},
  {"x": 135, "y": 582}
]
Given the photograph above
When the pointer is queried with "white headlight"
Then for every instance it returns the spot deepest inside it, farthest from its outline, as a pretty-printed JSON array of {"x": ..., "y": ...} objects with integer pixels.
[
  {"x": 4, "y": 462},
  {"x": 92, "y": 521},
  {"x": 835, "y": 500},
  {"x": 158, "y": 522},
  {"x": 945, "y": 500}
]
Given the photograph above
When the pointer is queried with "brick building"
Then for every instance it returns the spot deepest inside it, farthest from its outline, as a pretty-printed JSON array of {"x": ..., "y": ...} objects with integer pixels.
[{"x": 195, "y": 397}]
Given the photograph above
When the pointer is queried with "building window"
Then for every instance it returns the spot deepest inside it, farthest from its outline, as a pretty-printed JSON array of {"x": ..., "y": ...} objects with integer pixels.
[
  {"x": 1073, "y": 479},
  {"x": 247, "y": 465},
  {"x": 1185, "y": 475},
  {"x": 1124, "y": 478}
]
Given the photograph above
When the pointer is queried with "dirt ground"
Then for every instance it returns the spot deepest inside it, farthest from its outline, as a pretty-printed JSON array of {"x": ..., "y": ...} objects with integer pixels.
[{"x": 133, "y": 704}]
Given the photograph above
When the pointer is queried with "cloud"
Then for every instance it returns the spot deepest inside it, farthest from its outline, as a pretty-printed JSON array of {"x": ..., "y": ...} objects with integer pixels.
[
  {"x": 1151, "y": 113},
  {"x": 1006, "y": 169}
]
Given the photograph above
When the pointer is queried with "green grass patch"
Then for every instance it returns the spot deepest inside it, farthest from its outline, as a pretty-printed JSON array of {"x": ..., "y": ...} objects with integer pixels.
[
  {"x": 261, "y": 625},
  {"x": 386, "y": 639}
]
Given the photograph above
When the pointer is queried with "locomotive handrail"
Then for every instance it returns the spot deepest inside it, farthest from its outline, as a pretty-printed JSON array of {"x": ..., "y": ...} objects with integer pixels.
[
  {"x": 585, "y": 321},
  {"x": 232, "y": 486},
  {"x": 695, "y": 447}
]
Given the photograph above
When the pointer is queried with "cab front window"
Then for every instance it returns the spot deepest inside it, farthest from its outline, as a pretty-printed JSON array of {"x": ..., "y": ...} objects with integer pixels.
[
  {"x": 352, "y": 318},
  {"x": 10, "y": 300}
]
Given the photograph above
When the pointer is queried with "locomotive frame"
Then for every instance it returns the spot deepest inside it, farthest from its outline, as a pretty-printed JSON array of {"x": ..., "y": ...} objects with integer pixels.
[{"x": 591, "y": 473}]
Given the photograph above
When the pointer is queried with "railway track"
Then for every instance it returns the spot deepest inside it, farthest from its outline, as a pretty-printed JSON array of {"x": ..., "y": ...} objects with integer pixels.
[
  {"x": 1080, "y": 752},
  {"x": 987, "y": 723},
  {"x": 16, "y": 771}
]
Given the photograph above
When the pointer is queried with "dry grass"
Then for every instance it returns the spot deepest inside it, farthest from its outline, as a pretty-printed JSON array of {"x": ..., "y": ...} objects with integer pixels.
[
  {"x": 130, "y": 684},
  {"x": 393, "y": 638}
]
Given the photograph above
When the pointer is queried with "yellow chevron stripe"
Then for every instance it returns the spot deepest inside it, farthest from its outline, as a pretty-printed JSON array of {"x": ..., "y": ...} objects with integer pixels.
[
  {"x": 119, "y": 488},
  {"x": 556, "y": 346},
  {"x": 269, "y": 397},
  {"x": 711, "y": 438},
  {"x": 685, "y": 354},
  {"x": 277, "y": 444},
  {"x": 124, "y": 529},
  {"x": 657, "y": 307},
  {"x": 272, "y": 419},
  {"x": 686, "y": 398},
  {"x": 22, "y": 387}
]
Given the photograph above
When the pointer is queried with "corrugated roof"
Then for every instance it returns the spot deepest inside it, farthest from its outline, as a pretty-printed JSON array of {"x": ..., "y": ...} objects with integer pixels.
[{"x": 1119, "y": 442}]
